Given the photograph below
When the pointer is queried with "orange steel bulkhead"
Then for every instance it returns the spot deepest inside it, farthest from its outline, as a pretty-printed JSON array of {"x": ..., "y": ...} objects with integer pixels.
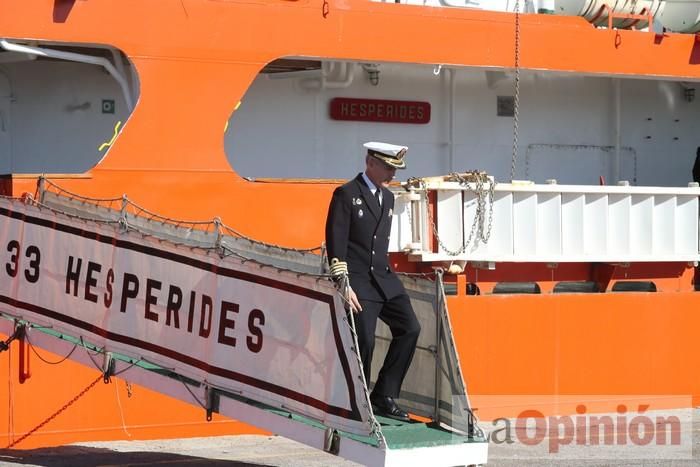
[{"x": 196, "y": 59}]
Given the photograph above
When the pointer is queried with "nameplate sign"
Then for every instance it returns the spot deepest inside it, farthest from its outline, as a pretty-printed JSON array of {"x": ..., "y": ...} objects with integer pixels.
[{"x": 379, "y": 110}]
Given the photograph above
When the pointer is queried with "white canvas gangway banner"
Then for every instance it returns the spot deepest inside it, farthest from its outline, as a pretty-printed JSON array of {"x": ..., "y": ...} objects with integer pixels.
[{"x": 275, "y": 337}]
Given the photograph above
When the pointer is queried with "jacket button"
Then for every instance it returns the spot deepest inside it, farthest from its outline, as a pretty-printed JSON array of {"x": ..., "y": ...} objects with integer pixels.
[
  {"x": 375, "y": 237},
  {"x": 371, "y": 268},
  {"x": 372, "y": 251}
]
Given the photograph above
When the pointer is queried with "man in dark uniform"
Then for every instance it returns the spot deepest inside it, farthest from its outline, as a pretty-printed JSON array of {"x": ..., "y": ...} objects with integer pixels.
[{"x": 357, "y": 239}]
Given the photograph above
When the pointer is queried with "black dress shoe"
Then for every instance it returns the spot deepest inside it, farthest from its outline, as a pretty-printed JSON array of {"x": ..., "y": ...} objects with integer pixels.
[{"x": 386, "y": 407}]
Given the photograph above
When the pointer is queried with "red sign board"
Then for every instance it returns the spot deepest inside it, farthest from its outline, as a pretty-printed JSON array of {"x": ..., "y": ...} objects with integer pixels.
[{"x": 380, "y": 110}]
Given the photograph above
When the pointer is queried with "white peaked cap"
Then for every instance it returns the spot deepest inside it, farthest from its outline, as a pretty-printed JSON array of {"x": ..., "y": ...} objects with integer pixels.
[{"x": 391, "y": 154}]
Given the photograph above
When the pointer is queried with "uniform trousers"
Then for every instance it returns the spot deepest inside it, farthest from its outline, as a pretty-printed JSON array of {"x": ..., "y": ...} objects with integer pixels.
[{"x": 398, "y": 314}]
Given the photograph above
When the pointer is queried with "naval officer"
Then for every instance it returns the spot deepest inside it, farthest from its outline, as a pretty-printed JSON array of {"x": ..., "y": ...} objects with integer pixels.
[{"x": 357, "y": 239}]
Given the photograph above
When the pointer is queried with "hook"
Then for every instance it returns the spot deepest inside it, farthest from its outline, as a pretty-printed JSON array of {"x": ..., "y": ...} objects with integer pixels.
[{"x": 437, "y": 69}]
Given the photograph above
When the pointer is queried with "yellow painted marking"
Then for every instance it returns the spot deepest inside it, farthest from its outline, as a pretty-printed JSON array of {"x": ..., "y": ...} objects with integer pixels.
[
  {"x": 116, "y": 132},
  {"x": 234, "y": 109}
]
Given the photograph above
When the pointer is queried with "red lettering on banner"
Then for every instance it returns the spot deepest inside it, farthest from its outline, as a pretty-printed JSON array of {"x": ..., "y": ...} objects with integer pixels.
[
  {"x": 108, "y": 286},
  {"x": 205, "y": 316},
  {"x": 190, "y": 315},
  {"x": 172, "y": 310},
  {"x": 130, "y": 289},
  {"x": 91, "y": 281},
  {"x": 255, "y": 340},
  {"x": 227, "y": 323},
  {"x": 86, "y": 287},
  {"x": 151, "y": 299}
]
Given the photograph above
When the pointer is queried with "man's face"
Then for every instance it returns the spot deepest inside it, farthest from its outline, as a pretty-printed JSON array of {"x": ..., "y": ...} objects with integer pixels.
[{"x": 380, "y": 173}]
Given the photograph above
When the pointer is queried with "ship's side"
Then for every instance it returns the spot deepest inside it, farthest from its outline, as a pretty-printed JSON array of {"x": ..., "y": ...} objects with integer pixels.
[{"x": 206, "y": 114}]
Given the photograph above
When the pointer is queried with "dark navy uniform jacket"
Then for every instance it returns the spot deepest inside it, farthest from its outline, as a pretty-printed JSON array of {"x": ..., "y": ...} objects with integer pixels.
[{"x": 357, "y": 231}]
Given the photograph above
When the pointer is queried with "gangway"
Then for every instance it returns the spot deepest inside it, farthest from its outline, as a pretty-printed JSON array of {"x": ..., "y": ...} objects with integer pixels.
[{"x": 251, "y": 331}]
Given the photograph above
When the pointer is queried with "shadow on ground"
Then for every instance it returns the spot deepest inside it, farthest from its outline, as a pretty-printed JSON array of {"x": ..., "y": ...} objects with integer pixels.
[{"x": 83, "y": 456}]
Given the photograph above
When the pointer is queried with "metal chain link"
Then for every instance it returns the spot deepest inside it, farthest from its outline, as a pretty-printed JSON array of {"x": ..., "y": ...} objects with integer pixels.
[
  {"x": 474, "y": 182},
  {"x": 516, "y": 98},
  {"x": 55, "y": 414}
]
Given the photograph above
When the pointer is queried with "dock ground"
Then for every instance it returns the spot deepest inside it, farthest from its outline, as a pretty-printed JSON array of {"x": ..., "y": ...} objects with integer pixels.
[{"x": 263, "y": 451}]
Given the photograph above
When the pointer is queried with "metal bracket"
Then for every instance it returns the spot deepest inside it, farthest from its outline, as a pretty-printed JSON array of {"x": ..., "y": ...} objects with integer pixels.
[
  {"x": 212, "y": 399},
  {"x": 331, "y": 441},
  {"x": 108, "y": 367},
  {"x": 219, "y": 237},
  {"x": 41, "y": 188},
  {"x": 487, "y": 265},
  {"x": 123, "y": 214}
]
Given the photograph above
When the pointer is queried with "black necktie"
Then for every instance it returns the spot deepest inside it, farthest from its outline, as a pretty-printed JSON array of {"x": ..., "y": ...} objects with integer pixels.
[{"x": 376, "y": 195}]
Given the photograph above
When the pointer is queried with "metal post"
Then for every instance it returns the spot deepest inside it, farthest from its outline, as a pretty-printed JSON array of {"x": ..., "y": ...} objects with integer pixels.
[
  {"x": 416, "y": 220},
  {"x": 438, "y": 337},
  {"x": 618, "y": 130}
]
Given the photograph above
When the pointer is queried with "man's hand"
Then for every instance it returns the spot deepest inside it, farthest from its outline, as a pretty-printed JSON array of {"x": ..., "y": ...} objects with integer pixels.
[{"x": 353, "y": 301}]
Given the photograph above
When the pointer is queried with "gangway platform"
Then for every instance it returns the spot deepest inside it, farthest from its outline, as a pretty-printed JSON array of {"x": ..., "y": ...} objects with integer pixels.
[{"x": 251, "y": 331}]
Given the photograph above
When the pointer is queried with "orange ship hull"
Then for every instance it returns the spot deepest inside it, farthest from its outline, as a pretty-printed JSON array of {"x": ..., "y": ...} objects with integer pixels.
[{"x": 207, "y": 53}]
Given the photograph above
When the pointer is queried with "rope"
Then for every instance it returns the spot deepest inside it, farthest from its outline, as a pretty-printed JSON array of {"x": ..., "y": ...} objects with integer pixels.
[
  {"x": 178, "y": 376},
  {"x": 70, "y": 194},
  {"x": 121, "y": 410},
  {"x": 31, "y": 346},
  {"x": 87, "y": 351},
  {"x": 140, "y": 211},
  {"x": 375, "y": 427},
  {"x": 68, "y": 214},
  {"x": 228, "y": 251},
  {"x": 516, "y": 98},
  {"x": 124, "y": 370},
  {"x": 187, "y": 386},
  {"x": 235, "y": 233}
]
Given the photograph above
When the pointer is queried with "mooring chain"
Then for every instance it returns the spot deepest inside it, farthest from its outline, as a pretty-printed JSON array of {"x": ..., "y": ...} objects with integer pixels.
[
  {"x": 57, "y": 413},
  {"x": 480, "y": 231},
  {"x": 516, "y": 97},
  {"x": 480, "y": 195}
]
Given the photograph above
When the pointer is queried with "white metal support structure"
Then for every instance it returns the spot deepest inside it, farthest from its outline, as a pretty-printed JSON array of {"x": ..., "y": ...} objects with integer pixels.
[{"x": 552, "y": 224}]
